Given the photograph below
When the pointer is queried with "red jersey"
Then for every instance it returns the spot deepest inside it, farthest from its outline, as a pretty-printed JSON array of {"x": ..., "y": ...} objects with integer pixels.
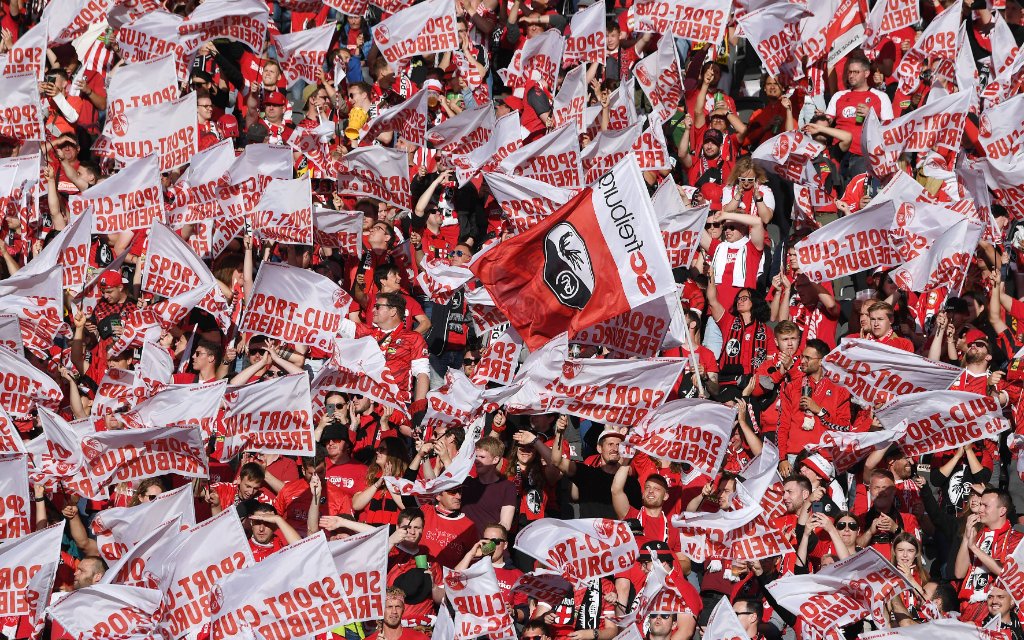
[
  {"x": 401, "y": 562},
  {"x": 261, "y": 551},
  {"x": 895, "y": 341},
  {"x": 348, "y": 477},
  {"x": 405, "y": 354},
  {"x": 737, "y": 265},
  {"x": 447, "y": 538},
  {"x": 843, "y": 107},
  {"x": 833, "y": 399}
]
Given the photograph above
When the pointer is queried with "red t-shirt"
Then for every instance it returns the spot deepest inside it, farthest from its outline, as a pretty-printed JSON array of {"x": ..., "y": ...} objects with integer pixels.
[
  {"x": 447, "y": 538},
  {"x": 349, "y": 477},
  {"x": 261, "y": 551}
]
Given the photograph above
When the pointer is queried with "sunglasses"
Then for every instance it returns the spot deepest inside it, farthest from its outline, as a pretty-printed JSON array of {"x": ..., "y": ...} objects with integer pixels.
[
  {"x": 712, "y": 225},
  {"x": 663, "y": 616},
  {"x": 256, "y": 352},
  {"x": 468, "y": 361},
  {"x": 537, "y": 637},
  {"x": 457, "y": 252},
  {"x": 496, "y": 540},
  {"x": 275, "y": 374},
  {"x": 846, "y": 524},
  {"x": 747, "y": 180}
]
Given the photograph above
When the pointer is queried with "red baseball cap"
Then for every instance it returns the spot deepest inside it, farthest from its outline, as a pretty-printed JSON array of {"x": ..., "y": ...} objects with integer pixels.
[
  {"x": 275, "y": 98},
  {"x": 111, "y": 279}
]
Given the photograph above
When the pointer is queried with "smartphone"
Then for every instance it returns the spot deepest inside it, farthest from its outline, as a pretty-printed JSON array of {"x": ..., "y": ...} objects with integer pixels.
[
  {"x": 817, "y": 507},
  {"x": 51, "y": 78}
]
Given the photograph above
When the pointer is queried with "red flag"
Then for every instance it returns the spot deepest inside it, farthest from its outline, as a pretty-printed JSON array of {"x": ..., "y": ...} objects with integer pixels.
[{"x": 599, "y": 255}]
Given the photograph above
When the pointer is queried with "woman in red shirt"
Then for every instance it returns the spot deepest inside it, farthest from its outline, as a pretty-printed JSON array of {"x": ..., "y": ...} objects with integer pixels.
[{"x": 376, "y": 503}]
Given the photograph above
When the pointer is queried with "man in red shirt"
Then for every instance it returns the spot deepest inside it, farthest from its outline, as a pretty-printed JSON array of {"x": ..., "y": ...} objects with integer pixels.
[
  {"x": 391, "y": 624},
  {"x": 264, "y": 523},
  {"x": 849, "y": 107},
  {"x": 341, "y": 472},
  {"x": 813, "y": 407},
  {"x": 880, "y": 315},
  {"x": 652, "y": 516},
  {"x": 405, "y": 351},
  {"x": 248, "y": 486},
  {"x": 774, "y": 376},
  {"x": 496, "y": 538},
  {"x": 447, "y": 533},
  {"x": 988, "y": 541}
]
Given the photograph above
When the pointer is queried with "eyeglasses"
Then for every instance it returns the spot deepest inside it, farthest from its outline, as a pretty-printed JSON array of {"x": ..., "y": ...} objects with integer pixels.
[
  {"x": 496, "y": 540},
  {"x": 468, "y": 361},
  {"x": 746, "y": 613},
  {"x": 205, "y": 106},
  {"x": 204, "y": 354},
  {"x": 809, "y": 358},
  {"x": 742, "y": 298},
  {"x": 852, "y": 525},
  {"x": 381, "y": 305}
]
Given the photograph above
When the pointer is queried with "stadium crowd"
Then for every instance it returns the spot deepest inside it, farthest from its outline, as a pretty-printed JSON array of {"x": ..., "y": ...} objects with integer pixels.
[{"x": 843, "y": 263}]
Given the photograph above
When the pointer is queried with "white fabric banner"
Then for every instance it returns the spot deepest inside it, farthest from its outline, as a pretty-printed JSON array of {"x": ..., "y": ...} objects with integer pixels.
[
  {"x": 32, "y": 558},
  {"x": 181, "y": 406},
  {"x": 697, "y": 20},
  {"x": 539, "y": 60},
  {"x": 452, "y": 476},
  {"x": 24, "y": 386},
  {"x": 693, "y": 431},
  {"x": 724, "y": 624},
  {"x": 936, "y": 43},
  {"x": 681, "y": 225},
  {"x": 787, "y": 154},
  {"x": 526, "y": 201},
  {"x": 273, "y": 416},
  {"x": 172, "y": 268},
  {"x": 499, "y": 359},
  {"x": 641, "y": 332},
  {"x": 342, "y": 230},
  {"x": 103, "y": 611},
  {"x": 118, "y": 529},
  {"x": 463, "y": 132},
  {"x": 135, "y": 454},
  {"x": 506, "y": 137},
  {"x": 295, "y": 306},
  {"x": 479, "y": 604},
  {"x": 21, "y": 117},
  {"x": 243, "y": 21},
  {"x": 606, "y": 150},
  {"x": 1001, "y": 129},
  {"x": 553, "y": 158},
  {"x": 427, "y": 27},
  {"x": 10, "y": 439},
  {"x": 376, "y": 172},
  {"x": 586, "y": 40},
  {"x": 661, "y": 79},
  {"x": 28, "y": 53},
  {"x": 570, "y": 103},
  {"x": 942, "y": 420},
  {"x": 774, "y": 32},
  {"x": 284, "y": 212},
  {"x": 189, "y": 566},
  {"x": 408, "y": 120},
  {"x": 945, "y": 263},
  {"x": 70, "y": 249},
  {"x": 580, "y": 550},
  {"x": 876, "y": 373},
  {"x": 296, "y": 585},
  {"x": 850, "y": 245},
  {"x": 361, "y": 565},
  {"x": 302, "y": 54},
  {"x": 140, "y": 84},
  {"x": 168, "y": 130},
  {"x": 129, "y": 200},
  {"x": 945, "y": 628},
  {"x": 841, "y": 593},
  {"x": 14, "y": 496}
]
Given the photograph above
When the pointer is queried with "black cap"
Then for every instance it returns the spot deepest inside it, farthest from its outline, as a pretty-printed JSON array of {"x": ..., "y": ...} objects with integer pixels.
[
  {"x": 334, "y": 431},
  {"x": 956, "y": 305}
]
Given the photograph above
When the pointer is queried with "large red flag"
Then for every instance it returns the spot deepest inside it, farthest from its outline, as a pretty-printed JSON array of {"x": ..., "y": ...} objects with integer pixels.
[{"x": 600, "y": 255}]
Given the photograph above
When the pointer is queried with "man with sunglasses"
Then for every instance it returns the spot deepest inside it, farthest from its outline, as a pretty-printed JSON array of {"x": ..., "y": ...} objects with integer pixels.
[
  {"x": 749, "y": 613},
  {"x": 495, "y": 538},
  {"x": 388, "y": 279}
]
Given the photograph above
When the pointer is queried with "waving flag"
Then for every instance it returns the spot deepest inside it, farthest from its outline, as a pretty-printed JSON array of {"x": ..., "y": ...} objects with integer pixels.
[
  {"x": 599, "y": 255},
  {"x": 303, "y": 53}
]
